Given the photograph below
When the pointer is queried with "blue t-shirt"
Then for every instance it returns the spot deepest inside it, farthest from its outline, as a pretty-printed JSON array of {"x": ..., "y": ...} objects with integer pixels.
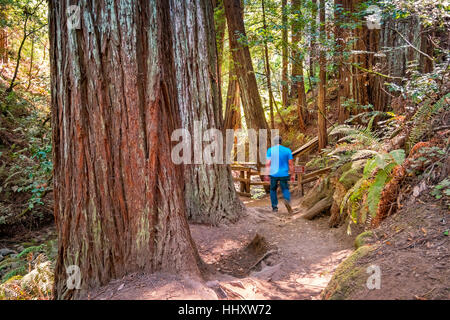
[{"x": 279, "y": 156}]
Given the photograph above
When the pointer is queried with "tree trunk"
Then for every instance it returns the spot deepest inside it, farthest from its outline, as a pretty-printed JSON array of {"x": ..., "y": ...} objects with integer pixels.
[
  {"x": 251, "y": 100},
  {"x": 19, "y": 56},
  {"x": 342, "y": 37},
  {"x": 220, "y": 27},
  {"x": 3, "y": 37},
  {"x": 232, "y": 108},
  {"x": 119, "y": 202},
  {"x": 30, "y": 72},
  {"x": 210, "y": 194},
  {"x": 312, "y": 48},
  {"x": 3, "y": 45},
  {"x": 297, "y": 65},
  {"x": 267, "y": 65},
  {"x": 321, "y": 108},
  {"x": 285, "y": 57}
]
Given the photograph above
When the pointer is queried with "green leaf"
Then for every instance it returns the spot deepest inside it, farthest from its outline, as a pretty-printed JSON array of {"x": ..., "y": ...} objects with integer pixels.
[
  {"x": 398, "y": 156},
  {"x": 374, "y": 194}
]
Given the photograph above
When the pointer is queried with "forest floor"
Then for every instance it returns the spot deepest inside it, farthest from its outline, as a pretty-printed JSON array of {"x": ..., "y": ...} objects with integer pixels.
[{"x": 262, "y": 256}]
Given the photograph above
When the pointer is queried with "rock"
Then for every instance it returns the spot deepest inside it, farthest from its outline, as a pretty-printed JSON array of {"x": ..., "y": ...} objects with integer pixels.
[
  {"x": 363, "y": 238},
  {"x": 348, "y": 276},
  {"x": 41, "y": 276},
  {"x": 321, "y": 190},
  {"x": 338, "y": 196},
  {"x": 4, "y": 252},
  {"x": 349, "y": 178}
]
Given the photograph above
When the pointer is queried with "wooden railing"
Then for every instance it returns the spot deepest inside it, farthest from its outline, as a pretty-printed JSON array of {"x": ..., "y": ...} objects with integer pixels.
[{"x": 246, "y": 172}]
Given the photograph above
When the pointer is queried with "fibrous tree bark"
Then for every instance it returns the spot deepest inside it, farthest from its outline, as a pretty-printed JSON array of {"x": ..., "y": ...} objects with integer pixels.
[
  {"x": 285, "y": 53},
  {"x": 342, "y": 36},
  {"x": 220, "y": 27},
  {"x": 232, "y": 105},
  {"x": 119, "y": 202},
  {"x": 210, "y": 194},
  {"x": 321, "y": 108},
  {"x": 312, "y": 47},
  {"x": 267, "y": 67},
  {"x": 3, "y": 36},
  {"x": 297, "y": 64},
  {"x": 251, "y": 100}
]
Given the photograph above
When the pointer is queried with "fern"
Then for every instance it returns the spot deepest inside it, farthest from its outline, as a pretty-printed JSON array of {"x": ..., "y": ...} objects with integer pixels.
[
  {"x": 381, "y": 166},
  {"x": 421, "y": 119}
]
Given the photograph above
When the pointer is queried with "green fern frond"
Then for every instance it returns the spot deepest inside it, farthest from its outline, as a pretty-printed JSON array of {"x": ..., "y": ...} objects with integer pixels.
[{"x": 421, "y": 120}]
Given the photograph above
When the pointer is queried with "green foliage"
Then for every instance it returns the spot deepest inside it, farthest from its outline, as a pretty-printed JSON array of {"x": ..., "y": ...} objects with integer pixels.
[
  {"x": 441, "y": 189},
  {"x": 26, "y": 251},
  {"x": 421, "y": 120},
  {"x": 375, "y": 176}
]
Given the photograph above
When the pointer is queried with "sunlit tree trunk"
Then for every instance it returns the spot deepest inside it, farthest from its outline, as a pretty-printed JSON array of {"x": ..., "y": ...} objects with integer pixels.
[
  {"x": 267, "y": 67},
  {"x": 220, "y": 27},
  {"x": 321, "y": 108},
  {"x": 312, "y": 47},
  {"x": 3, "y": 37},
  {"x": 297, "y": 65},
  {"x": 251, "y": 100},
  {"x": 342, "y": 35},
  {"x": 119, "y": 200},
  {"x": 285, "y": 55}
]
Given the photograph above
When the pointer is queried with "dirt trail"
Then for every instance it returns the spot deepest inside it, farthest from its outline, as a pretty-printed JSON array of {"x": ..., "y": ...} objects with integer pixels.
[{"x": 299, "y": 258}]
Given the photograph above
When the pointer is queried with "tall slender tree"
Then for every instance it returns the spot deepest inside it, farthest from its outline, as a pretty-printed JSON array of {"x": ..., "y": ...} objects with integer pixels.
[
  {"x": 251, "y": 100},
  {"x": 321, "y": 108},
  {"x": 119, "y": 202},
  {"x": 297, "y": 64},
  {"x": 267, "y": 66},
  {"x": 285, "y": 54}
]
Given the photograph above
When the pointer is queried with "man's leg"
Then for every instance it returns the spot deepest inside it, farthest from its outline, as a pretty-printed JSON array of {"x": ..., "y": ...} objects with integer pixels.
[
  {"x": 286, "y": 193},
  {"x": 273, "y": 192}
]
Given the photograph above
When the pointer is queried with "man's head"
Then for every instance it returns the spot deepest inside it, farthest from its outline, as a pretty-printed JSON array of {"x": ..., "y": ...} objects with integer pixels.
[{"x": 277, "y": 140}]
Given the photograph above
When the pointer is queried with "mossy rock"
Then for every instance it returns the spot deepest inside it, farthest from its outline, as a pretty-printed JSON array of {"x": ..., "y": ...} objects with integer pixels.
[
  {"x": 363, "y": 238},
  {"x": 350, "y": 177},
  {"x": 347, "y": 276},
  {"x": 339, "y": 171}
]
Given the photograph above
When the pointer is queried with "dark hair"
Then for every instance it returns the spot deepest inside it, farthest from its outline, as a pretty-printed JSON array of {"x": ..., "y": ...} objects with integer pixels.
[{"x": 277, "y": 140}]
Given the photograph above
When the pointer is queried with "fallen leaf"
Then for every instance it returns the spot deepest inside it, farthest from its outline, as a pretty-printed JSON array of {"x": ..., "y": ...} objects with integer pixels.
[{"x": 424, "y": 231}]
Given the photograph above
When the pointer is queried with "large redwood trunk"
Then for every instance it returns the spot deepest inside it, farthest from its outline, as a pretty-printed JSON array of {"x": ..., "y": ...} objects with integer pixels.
[
  {"x": 210, "y": 194},
  {"x": 119, "y": 202},
  {"x": 251, "y": 100}
]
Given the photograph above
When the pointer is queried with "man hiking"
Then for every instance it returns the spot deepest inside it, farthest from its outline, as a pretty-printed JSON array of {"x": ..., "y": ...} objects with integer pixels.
[{"x": 279, "y": 166}]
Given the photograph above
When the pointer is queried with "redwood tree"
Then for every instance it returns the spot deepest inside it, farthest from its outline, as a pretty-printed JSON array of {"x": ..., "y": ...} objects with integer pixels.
[
  {"x": 321, "y": 108},
  {"x": 297, "y": 64},
  {"x": 251, "y": 100},
  {"x": 119, "y": 202},
  {"x": 210, "y": 194}
]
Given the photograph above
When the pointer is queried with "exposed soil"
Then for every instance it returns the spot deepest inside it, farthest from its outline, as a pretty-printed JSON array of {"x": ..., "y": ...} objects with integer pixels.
[
  {"x": 411, "y": 248},
  {"x": 263, "y": 256}
]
